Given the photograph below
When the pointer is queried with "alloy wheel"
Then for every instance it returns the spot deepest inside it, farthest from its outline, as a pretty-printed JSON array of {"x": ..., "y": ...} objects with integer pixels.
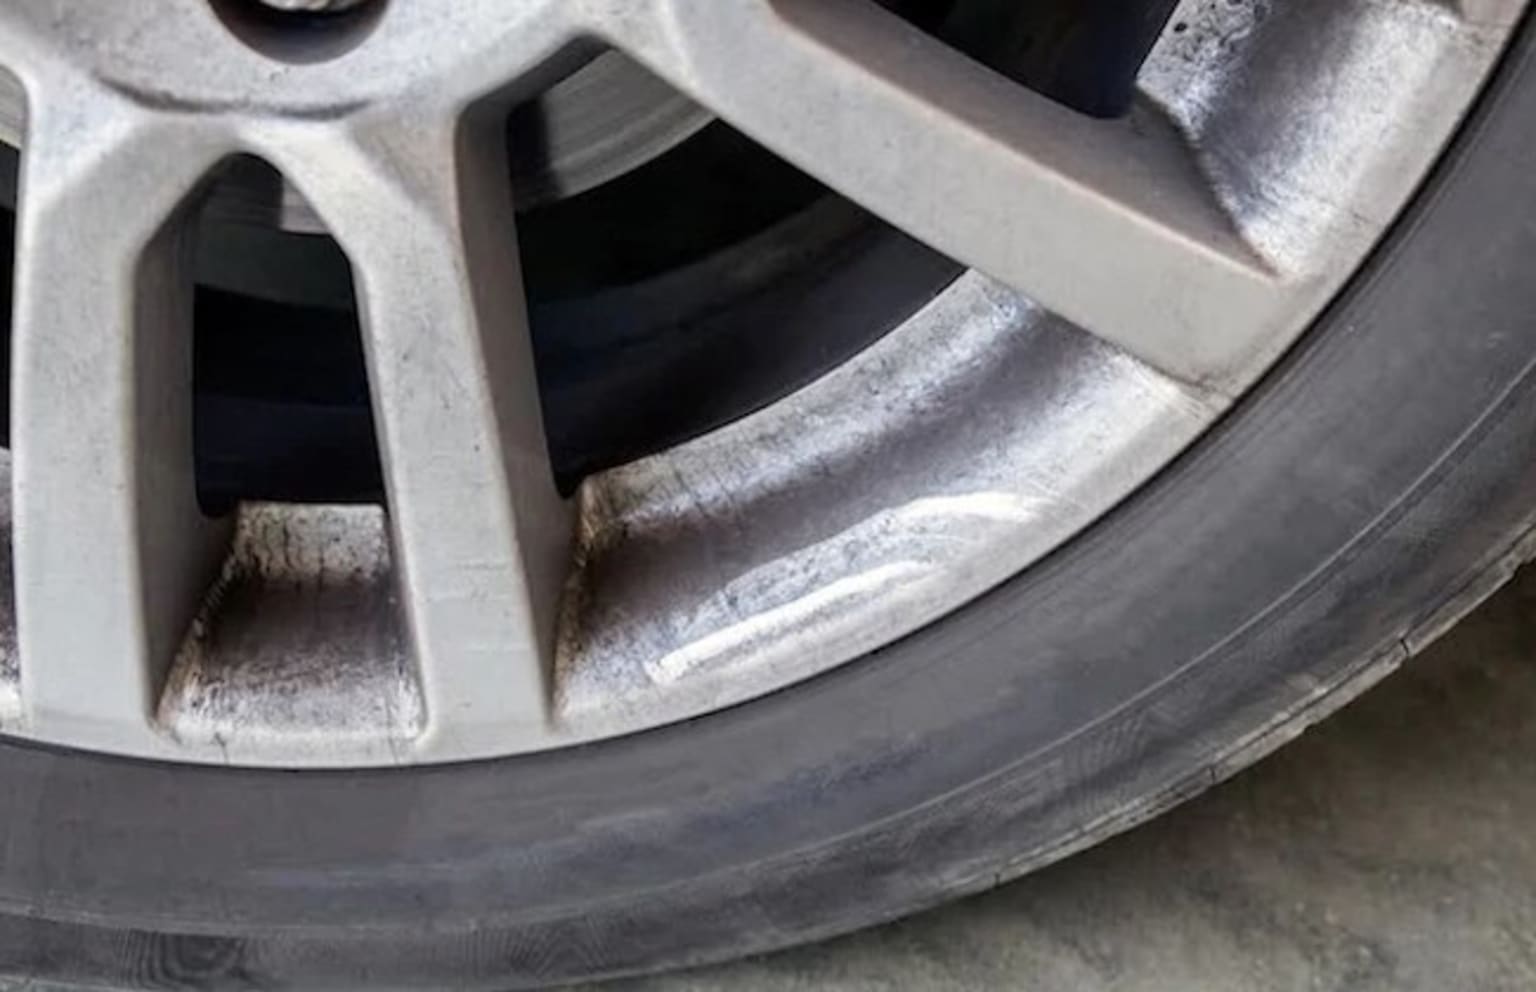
[{"x": 1126, "y": 281}]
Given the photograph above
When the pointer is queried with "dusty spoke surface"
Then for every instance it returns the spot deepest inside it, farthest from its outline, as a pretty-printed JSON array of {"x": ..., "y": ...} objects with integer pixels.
[
  {"x": 112, "y": 555},
  {"x": 482, "y": 538}
]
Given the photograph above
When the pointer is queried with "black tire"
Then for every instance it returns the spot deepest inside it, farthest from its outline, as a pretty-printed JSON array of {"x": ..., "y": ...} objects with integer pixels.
[{"x": 1379, "y": 484}]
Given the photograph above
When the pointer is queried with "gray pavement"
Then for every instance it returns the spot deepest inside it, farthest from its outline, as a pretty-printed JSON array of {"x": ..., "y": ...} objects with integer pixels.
[{"x": 1392, "y": 848}]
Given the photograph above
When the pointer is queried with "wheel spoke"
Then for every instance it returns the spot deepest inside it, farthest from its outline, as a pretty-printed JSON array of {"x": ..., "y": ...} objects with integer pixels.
[
  {"x": 112, "y": 556},
  {"x": 1109, "y": 223},
  {"x": 19, "y": 39},
  {"x": 423, "y": 209}
]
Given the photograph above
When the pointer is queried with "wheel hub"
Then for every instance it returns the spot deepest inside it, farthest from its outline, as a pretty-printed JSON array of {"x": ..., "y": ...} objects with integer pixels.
[
  {"x": 601, "y": 118},
  {"x": 314, "y": 6},
  {"x": 227, "y": 63}
]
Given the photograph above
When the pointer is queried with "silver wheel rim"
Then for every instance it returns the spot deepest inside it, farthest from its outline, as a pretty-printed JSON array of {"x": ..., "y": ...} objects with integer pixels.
[{"x": 1130, "y": 280}]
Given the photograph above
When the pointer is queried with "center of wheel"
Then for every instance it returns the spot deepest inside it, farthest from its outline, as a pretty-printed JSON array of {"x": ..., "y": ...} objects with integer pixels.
[
  {"x": 259, "y": 63},
  {"x": 300, "y": 30},
  {"x": 313, "y": 6}
]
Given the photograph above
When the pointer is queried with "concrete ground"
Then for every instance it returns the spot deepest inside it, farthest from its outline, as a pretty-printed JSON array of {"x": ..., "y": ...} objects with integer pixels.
[{"x": 1392, "y": 848}]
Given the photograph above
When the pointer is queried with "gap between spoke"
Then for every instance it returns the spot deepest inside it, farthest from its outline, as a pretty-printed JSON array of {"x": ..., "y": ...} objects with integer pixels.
[{"x": 1109, "y": 223}]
